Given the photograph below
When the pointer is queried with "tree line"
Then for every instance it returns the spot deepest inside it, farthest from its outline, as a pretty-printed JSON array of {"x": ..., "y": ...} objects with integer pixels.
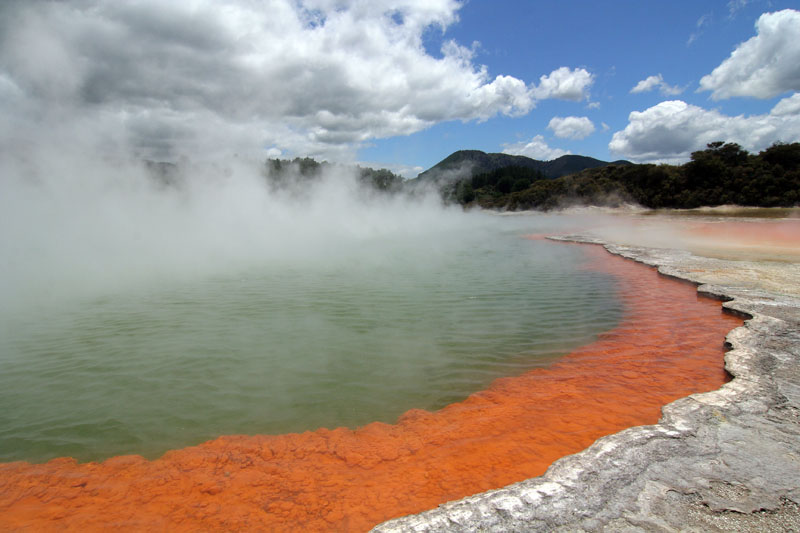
[
  {"x": 723, "y": 173},
  {"x": 300, "y": 172}
]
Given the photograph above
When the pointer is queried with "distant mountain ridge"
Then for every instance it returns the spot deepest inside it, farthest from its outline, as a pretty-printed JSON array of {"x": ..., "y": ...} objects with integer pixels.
[
  {"x": 723, "y": 173},
  {"x": 468, "y": 163}
]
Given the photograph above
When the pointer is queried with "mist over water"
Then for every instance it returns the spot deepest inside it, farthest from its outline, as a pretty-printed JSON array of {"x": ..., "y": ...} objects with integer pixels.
[
  {"x": 140, "y": 317},
  {"x": 71, "y": 227}
]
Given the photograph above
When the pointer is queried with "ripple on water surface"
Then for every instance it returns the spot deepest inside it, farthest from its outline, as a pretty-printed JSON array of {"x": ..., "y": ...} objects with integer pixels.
[
  {"x": 286, "y": 347},
  {"x": 667, "y": 345}
]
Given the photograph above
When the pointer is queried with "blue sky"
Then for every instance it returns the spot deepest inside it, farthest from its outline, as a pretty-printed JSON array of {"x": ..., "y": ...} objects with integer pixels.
[
  {"x": 398, "y": 83},
  {"x": 619, "y": 42}
]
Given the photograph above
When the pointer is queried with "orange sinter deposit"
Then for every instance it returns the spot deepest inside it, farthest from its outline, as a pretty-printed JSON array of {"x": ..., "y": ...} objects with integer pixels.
[{"x": 668, "y": 345}]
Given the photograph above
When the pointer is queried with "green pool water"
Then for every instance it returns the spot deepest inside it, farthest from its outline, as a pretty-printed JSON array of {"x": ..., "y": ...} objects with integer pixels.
[{"x": 349, "y": 334}]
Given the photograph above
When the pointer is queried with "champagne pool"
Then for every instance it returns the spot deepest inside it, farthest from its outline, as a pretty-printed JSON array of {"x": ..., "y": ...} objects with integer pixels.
[{"x": 351, "y": 333}]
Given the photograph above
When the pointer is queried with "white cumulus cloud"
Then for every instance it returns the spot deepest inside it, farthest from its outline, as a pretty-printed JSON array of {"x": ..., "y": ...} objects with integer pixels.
[
  {"x": 571, "y": 127},
  {"x": 787, "y": 106},
  {"x": 763, "y": 66},
  {"x": 565, "y": 84},
  {"x": 656, "y": 82},
  {"x": 317, "y": 77},
  {"x": 536, "y": 148},
  {"x": 672, "y": 130}
]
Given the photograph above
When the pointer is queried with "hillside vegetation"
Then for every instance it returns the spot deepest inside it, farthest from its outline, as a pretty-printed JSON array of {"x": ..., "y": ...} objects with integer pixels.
[
  {"x": 468, "y": 163},
  {"x": 723, "y": 173},
  {"x": 298, "y": 173}
]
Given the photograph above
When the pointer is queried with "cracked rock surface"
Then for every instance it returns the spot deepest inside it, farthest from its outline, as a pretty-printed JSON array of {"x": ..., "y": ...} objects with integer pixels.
[{"x": 727, "y": 460}]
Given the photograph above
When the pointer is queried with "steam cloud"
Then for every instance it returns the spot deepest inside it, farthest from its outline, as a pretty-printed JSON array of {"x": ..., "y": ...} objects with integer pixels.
[
  {"x": 76, "y": 226},
  {"x": 89, "y": 89}
]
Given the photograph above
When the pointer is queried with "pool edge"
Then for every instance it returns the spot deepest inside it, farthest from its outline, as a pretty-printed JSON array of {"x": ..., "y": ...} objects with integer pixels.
[{"x": 716, "y": 460}]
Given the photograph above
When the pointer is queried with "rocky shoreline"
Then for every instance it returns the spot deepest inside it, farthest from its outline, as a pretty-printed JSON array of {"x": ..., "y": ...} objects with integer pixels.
[{"x": 727, "y": 460}]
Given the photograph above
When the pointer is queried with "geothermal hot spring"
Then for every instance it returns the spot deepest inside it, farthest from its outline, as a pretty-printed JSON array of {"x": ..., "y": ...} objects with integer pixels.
[
  {"x": 141, "y": 319},
  {"x": 184, "y": 318}
]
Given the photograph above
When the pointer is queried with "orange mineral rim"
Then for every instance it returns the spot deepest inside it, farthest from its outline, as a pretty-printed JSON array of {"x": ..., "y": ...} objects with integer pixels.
[{"x": 668, "y": 345}]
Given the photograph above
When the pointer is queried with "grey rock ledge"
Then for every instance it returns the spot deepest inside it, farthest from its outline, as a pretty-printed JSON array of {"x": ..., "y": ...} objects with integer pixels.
[{"x": 727, "y": 460}]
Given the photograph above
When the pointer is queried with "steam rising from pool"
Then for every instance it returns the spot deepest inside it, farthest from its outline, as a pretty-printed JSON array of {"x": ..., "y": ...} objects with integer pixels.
[
  {"x": 140, "y": 317},
  {"x": 72, "y": 226}
]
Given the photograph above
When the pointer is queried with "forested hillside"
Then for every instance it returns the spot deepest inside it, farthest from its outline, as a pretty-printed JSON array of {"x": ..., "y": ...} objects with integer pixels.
[
  {"x": 723, "y": 173},
  {"x": 468, "y": 163}
]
